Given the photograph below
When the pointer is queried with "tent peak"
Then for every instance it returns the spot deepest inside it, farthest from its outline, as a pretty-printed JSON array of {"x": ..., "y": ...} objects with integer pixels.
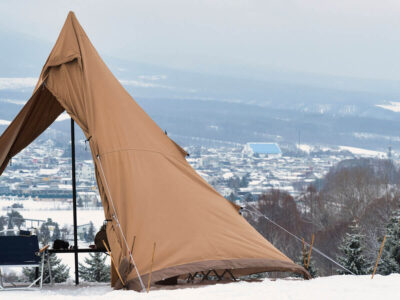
[{"x": 71, "y": 17}]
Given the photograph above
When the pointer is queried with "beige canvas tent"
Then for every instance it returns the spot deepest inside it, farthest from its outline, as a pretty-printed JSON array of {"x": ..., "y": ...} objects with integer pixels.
[{"x": 149, "y": 192}]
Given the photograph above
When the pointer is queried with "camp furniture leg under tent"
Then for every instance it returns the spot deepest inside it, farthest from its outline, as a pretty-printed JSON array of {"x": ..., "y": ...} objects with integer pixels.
[{"x": 148, "y": 189}]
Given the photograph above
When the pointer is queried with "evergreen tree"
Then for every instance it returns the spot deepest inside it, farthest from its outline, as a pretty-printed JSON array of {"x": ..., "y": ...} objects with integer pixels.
[
  {"x": 56, "y": 233},
  {"x": 59, "y": 271},
  {"x": 83, "y": 235},
  {"x": 3, "y": 222},
  {"x": 390, "y": 259},
  {"x": 352, "y": 249},
  {"x": 95, "y": 268},
  {"x": 393, "y": 236},
  {"x": 387, "y": 265},
  {"x": 89, "y": 236},
  {"x": 64, "y": 232},
  {"x": 44, "y": 234},
  {"x": 16, "y": 218},
  {"x": 10, "y": 226}
]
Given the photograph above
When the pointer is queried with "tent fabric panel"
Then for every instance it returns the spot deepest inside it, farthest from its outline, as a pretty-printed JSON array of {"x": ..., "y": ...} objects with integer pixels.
[
  {"x": 185, "y": 227},
  {"x": 65, "y": 83},
  {"x": 36, "y": 116}
]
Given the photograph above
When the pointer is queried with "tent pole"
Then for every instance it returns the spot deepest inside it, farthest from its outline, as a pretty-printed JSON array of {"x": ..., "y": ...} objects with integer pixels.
[{"x": 74, "y": 200}]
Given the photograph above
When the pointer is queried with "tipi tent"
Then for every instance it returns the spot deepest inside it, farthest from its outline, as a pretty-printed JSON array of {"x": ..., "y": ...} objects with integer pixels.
[{"x": 150, "y": 193}]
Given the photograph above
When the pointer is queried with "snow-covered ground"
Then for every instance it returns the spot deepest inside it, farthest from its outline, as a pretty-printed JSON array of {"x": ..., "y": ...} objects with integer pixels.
[
  {"x": 334, "y": 287},
  {"x": 360, "y": 152},
  {"x": 304, "y": 147},
  {"x": 364, "y": 152},
  {"x": 393, "y": 106}
]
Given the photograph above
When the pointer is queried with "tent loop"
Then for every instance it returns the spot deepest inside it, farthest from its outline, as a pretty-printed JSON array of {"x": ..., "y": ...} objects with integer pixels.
[
  {"x": 260, "y": 214},
  {"x": 87, "y": 141},
  {"x": 119, "y": 225}
]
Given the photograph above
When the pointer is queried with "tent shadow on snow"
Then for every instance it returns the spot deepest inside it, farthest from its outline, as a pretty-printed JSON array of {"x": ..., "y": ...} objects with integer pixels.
[{"x": 149, "y": 192}]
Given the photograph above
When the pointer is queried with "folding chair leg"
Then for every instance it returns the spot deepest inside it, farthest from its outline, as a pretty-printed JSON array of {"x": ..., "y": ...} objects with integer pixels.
[{"x": 37, "y": 280}]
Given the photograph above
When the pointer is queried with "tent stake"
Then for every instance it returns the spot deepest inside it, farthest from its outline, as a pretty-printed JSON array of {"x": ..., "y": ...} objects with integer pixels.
[
  {"x": 133, "y": 243},
  {"x": 379, "y": 256},
  {"x": 151, "y": 267},
  {"x": 113, "y": 263},
  {"x": 309, "y": 253}
]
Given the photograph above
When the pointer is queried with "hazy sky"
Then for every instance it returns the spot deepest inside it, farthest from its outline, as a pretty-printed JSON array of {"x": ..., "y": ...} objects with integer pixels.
[{"x": 359, "y": 38}]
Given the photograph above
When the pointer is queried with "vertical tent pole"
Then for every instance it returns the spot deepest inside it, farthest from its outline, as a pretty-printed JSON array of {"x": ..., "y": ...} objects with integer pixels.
[{"x": 74, "y": 200}]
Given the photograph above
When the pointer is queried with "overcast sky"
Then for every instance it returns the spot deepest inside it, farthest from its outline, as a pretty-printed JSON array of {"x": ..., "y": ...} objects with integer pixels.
[{"x": 358, "y": 38}]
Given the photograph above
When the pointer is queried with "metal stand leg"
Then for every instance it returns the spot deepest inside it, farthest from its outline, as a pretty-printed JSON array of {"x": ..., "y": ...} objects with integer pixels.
[
  {"x": 37, "y": 274},
  {"x": 1, "y": 279},
  {"x": 205, "y": 276},
  {"x": 41, "y": 275},
  {"x": 48, "y": 266}
]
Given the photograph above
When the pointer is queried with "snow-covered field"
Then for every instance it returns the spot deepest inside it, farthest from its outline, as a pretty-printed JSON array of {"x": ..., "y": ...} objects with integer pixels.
[
  {"x": 59, "y": 211},
  {"x": 393, "y": 106},
  {"x": 334, "y": 287},
  {"x": 364, "y": 152}
]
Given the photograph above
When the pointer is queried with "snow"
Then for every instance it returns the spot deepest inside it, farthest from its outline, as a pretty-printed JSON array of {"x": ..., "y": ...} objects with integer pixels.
[
  {"x": 228, "y": 175},
  {"x": 304, "y": 147},
  {"x": 58, "y": 211},
  {"x": 53, "y": 171},
  {"x": 334, "y": 287},
  {"x": 393, "y": 106},
  {"x": 363, "y": 152}
]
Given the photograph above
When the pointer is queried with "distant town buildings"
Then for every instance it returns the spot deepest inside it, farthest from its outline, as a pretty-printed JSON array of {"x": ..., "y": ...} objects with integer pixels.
[
  {"x": 43, "y": 171},
  {"x": 263, "y": 150}
]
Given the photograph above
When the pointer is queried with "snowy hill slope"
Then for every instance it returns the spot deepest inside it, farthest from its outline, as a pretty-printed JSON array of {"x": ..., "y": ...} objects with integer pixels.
[{"x": 334, "y": 287}]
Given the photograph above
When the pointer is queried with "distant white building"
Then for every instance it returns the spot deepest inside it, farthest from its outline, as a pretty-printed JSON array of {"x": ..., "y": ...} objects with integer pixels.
[
  {"x": 86, "y": 170},
  {"x": 48, "y": 172},
  {"x": 270, "y": 150}
]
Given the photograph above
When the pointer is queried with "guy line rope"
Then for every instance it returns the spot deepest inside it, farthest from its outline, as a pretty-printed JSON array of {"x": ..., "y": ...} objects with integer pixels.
[
  {"x": 260, "y": 214},
  {"x": 119, "y": 225}
]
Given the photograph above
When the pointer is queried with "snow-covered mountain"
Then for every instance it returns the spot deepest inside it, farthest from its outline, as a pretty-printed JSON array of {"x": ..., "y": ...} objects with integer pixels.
[{"x": 253, "y": 105}]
